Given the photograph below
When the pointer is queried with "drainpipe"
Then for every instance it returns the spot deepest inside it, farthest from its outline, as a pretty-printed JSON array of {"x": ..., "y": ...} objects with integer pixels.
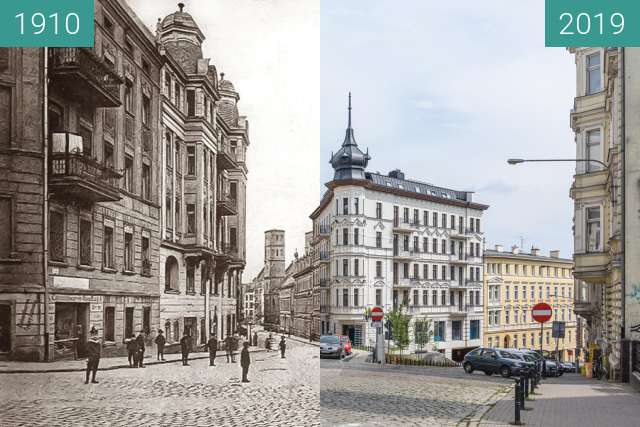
[
  {"x": 622, "y": 156},
  {"x": 45, "y": 204}
]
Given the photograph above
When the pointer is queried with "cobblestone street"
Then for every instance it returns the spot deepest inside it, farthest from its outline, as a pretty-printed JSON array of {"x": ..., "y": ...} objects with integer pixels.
[
  {"x": 282, "y": 392},
  {"x": 354, "y": 393}
]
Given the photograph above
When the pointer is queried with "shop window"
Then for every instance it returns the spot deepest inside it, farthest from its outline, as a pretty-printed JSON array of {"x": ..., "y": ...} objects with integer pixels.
[{"x": 109, "y": 323}]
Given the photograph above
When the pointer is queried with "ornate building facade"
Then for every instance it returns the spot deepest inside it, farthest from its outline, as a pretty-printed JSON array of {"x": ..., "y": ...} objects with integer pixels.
[
  {"x": 203, "y": 183},
  {"x": 387, "y": 241}
]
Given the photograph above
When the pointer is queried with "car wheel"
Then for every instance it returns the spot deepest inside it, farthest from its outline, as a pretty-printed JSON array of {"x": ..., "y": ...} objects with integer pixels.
[
  {"x": 468, "y": 368},
  {"x": 505, "y": 371},
  {"x": 488, "y": 373},
  {"x": 341, "y": 355}
]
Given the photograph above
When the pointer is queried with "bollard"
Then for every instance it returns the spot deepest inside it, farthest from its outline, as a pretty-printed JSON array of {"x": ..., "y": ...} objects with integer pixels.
[
  {"x": 526, "y": 384},
  {"x": 522, "y": 407},
  {"x": 517, "y": 421},
  {"x": 532, "y": 380}
]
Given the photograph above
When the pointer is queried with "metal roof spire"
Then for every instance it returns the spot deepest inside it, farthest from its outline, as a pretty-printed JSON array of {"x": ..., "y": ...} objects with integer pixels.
[{"x": 349, "y": 111}]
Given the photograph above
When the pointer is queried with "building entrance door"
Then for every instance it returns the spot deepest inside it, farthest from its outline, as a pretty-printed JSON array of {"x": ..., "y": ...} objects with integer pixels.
[
  {"x": 5, "y": 328},
  {"x": 70, "y": 339}
]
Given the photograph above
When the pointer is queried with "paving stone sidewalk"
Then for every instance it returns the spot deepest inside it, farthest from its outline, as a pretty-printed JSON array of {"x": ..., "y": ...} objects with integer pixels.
[{"x": 570, "y": 401}]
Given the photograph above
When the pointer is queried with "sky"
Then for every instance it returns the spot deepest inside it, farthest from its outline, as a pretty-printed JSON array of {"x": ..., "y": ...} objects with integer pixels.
[
  {"x": 447, "y": 91},
  {"x": 269, "y": 50}
]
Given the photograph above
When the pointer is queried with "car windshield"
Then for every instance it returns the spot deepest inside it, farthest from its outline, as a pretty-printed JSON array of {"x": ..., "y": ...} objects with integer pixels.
[
  {"x": 329, "y": 339},
  {"x": 510, "y": 355}
]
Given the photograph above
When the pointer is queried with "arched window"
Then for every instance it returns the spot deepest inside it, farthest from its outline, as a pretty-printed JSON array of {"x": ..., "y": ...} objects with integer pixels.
[
  {"x": 171, "y": 274},
  {"x": 507, "y": 342}
]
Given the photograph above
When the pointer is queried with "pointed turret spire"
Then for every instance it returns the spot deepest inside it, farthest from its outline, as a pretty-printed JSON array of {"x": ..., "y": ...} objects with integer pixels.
[
  {"x": 349, "y": 139},
  {"x": 349, "y": 162},
  {"x": 349, "y": 127}
]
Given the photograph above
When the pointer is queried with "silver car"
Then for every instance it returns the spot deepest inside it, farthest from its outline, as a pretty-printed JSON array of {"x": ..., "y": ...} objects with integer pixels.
[{"x": 331, "y": 346}]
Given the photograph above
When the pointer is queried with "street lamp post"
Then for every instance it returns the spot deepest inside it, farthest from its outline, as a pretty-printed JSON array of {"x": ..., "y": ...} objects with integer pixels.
[{"x": 518, "y": 161}]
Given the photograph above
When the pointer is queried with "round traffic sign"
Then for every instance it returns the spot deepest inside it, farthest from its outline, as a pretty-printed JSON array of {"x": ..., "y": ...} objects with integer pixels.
[
  {"x": 541, "y": 312},
  {"x": 376, "y": 314}
]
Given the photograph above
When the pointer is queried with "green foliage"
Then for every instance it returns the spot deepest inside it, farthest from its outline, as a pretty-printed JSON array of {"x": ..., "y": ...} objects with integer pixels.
[
  {"x": 400, "y": 327},
  {"x": 423, "y": 332}
]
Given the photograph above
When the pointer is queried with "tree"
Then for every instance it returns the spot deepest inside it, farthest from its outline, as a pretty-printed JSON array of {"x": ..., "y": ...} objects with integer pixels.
[
  {"x": 400, "y": 327},
  {"x": 423, "y": 332}
]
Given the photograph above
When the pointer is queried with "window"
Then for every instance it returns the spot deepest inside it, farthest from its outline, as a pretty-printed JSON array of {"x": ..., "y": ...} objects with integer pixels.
[
  {"x": 439, "y": 330},
  {"x": 444, "y": 220},
  {"x": 356, "y": 267},
  {"x": 146, "y": 263},
  {"x": 146, "y": 111},
  {"x": 434, "y": 297},
  {"x": 593, "y": 150},
  {"x": 425, "y": 244},
  {"x": 379, "y": 210},
  {"x": 345, "y": 297},
  {"x": 594, "y": 79},
  {"x": 416, "y": 299},
  {"x": 425, "y": 297},
  {"x": 593, "y": 229},
  {"x": 356, "y": 302},
  {"x": 405, "y": 270},
  {"x": 425, "y": 218},
  {"x": 378, "y": 268},
  {"x": 108, "y": 25},
  {"x": 178, "y": 96},
  {"x": 107, "y": 247},
  {"x": 191, "y": 103},
  {"x": 405, "y": 243},
  {"x": 425, "y": 271},
  {"x": 146, "y": 182},
  {"x": 474, "y": 329},
  {"x": 128, "y": 251},
  {"x": 345, "y": 267},
  {"x": 191, "y": 278},
  {"x": 345, "y": 236},
  {"x": 6, "y": 114},
  {"x": 109, "y": 323},
  {"x": 444, "y": 272},
  {"x": 416, "y": 273},
  {"x": 356, "y": 236},
  {"x": 356, "y": 205},
  {"x": 191, "y": 218},
  {"x": 128, "y": 95},
  {"x": 416, "y": 217},
  {"x": 444, "y": 246},
  {"x": 443, "y": 297},
  {"x": 378, "y": 239},
  {"x": 145, "y": 66},
  {"x": 171, "y": 274},
  {"x": 128, "y": 174},
  {"x": 378, "y": 297},
  {"x": 405, "y": 215},
  {"x": 56, "y": 236},
  {"x": 416, "y": 245},
  {"x": 434, "y": 272},
  {"x": 435, "y": 219},
  {"x": 434, "y": 244},
  {"x": 345, "y": 206},
  {"x": 85, "y": 242}
]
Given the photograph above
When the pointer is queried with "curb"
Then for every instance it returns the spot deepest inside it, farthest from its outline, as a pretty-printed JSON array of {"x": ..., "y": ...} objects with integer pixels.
[{"x": 109, "y": 368}]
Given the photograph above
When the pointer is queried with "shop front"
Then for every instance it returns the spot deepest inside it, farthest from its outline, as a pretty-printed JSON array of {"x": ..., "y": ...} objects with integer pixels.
[{"x": 70, "y": 337}]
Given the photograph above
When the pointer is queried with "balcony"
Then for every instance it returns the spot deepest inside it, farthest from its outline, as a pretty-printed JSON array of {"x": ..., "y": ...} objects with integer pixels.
[
  {"x": 324, "y": 256},
  {"x": 458, "y": 259},
  {"x": 226, "y": 158},
  {"x": 402, "y": 282},
  {"x": 324, "y": 230},
  {"x": 81, "y": 75},
  {"x": 584, "y": 308},
  {"x": 226, "y": 205},
  {"x": 404, "y": 226},
  {"x": 402, "y": 254},
  {"x": 72, "y": 175},
  {"x": 591, "y": 267},
  {"x": 324, "y": 283}
]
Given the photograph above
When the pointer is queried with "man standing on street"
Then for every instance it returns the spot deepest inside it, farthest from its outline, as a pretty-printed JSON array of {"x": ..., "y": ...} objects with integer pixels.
[
  {"x": 283, "y": 347},
  {"x": 94, "y": 348},
  {"x": 255, "y": 339},
  {"x": 132, "y": 351},
  {"x": 185, "y": 345},
  {"x": 245, "y": 361},
  {"x": 160, "y": 342},
  {"x": 212, "y": 344},
  {"x": 140, "y": 341},
  {"x": 228, "y": 346}
]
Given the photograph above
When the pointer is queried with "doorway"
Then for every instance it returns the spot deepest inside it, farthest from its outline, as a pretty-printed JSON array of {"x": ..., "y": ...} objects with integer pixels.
[
  {"x": 5, "y": 328},
  {"x": 70, "y": 337},
  {"x": 191, "y": 330}
]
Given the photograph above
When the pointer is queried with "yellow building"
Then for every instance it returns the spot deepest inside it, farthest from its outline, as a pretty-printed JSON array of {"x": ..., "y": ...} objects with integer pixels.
[{"x": 513, "y": 283}]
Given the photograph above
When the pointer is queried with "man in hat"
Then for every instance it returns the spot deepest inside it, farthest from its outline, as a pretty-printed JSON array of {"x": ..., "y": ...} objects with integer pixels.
[
  {"x": 245, "y": 361},
  {"x": 132, "y": 351},
  {"x": 283, "y": 347},
  {"x": 140, "y": 340},
  {"x": 160, "y": 342},
  {"x": 228, "y": 346},
  {"x": 94, "y": 348},
  {"x": 212, "y": 345},
  {"x": 185, "y": 345}
]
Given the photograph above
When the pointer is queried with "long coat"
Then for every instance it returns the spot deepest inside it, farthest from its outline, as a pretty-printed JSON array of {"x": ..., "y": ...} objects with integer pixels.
[{"x": 245, "y": 359}]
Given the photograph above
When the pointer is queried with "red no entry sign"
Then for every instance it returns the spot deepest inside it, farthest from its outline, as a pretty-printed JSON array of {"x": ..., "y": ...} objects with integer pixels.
[
  {"x": 377, "y": 314},
  {"x": 541, "y": 312}
]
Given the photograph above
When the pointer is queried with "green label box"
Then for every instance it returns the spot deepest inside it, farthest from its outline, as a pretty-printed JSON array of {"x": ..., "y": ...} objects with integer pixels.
[
  {"x": 592, "y": 23},
  {"x": 46, "y": 23}
]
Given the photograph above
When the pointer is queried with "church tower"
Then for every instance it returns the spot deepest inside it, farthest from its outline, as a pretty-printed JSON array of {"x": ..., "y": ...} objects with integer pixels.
[{"x": 274, "y": 262}]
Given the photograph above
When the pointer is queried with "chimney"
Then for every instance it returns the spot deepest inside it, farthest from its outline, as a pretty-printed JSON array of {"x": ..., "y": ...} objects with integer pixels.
[
  {"x": 554, "y": 253},
  {"x": 499, "y": 248},
  {"x": 396, "y": 173},
  {"x": 515, "y": 249},
  {"x": 535, "y": 251}
]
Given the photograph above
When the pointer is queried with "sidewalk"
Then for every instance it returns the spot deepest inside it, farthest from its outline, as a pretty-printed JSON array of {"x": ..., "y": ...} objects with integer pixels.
[
  {"x": 262, "y": 334},
  {"x": 569, "y": 401},
  {"x": 106, "y": 364}
]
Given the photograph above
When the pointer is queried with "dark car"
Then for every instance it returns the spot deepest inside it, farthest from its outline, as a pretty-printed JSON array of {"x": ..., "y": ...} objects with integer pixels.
[
  {"x": 331, "y": 346},
  {"x": 493, "y": 361}
]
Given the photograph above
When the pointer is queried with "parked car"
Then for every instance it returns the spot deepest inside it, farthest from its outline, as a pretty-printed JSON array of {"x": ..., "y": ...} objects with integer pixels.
[
  {"x": 494, "y": 361},
  {"x": 331, "y": 346},
  {"x": 568, "y": 367},
  {"x": 346, "y": 343}
]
